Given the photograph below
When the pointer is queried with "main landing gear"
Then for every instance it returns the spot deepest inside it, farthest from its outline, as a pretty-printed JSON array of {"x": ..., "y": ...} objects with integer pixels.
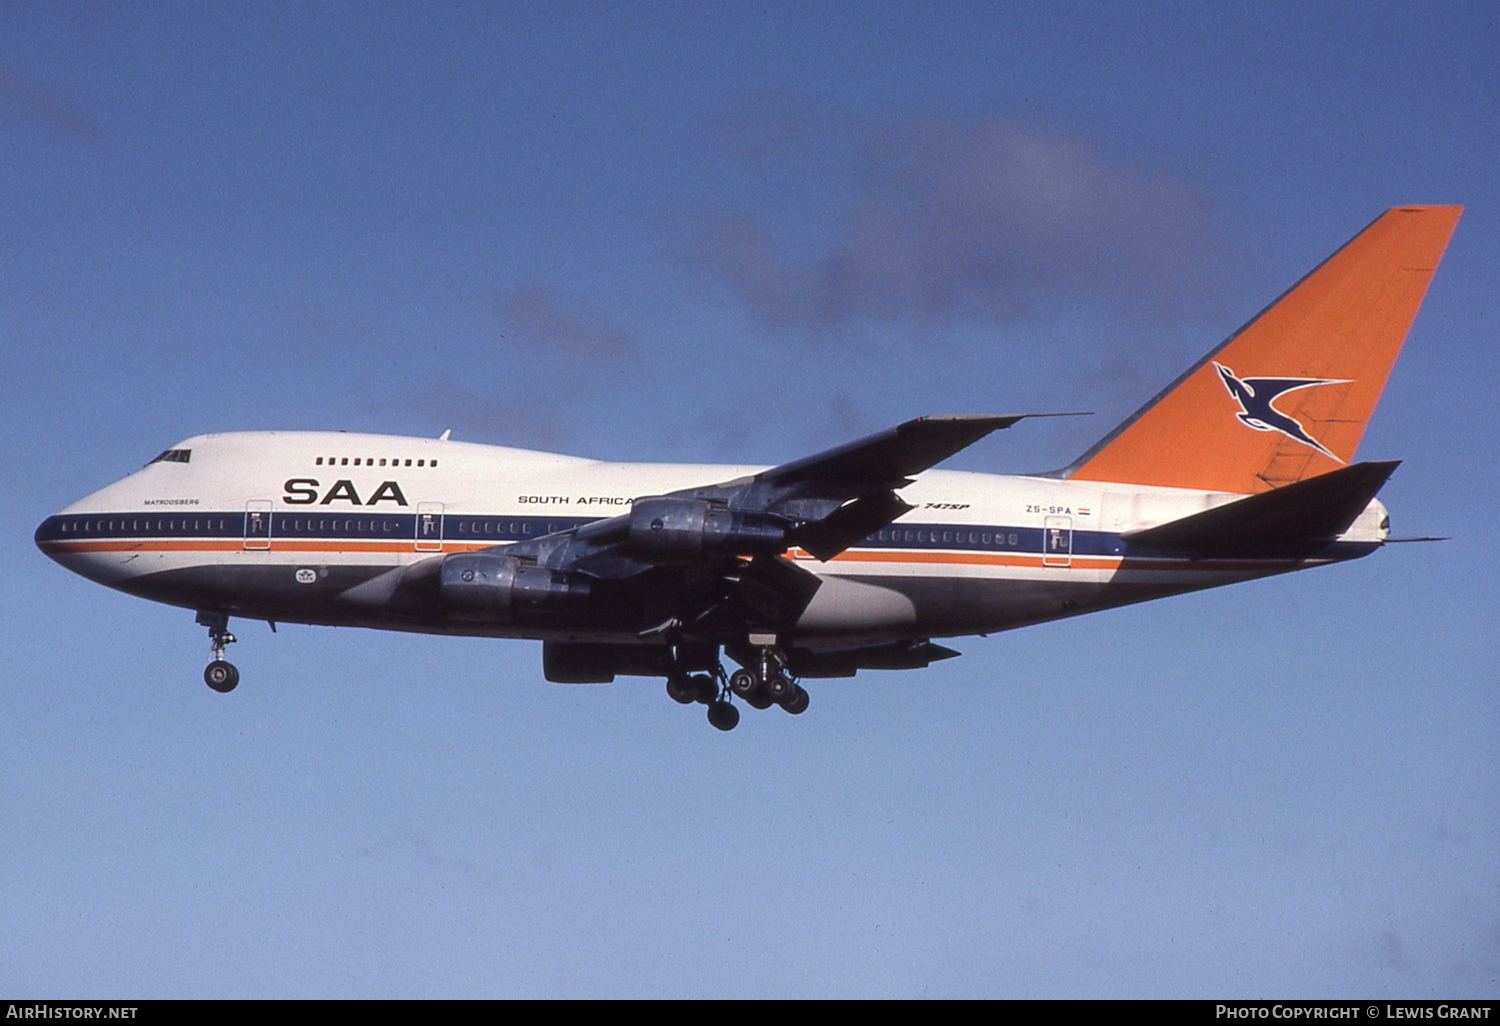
[
  {"x": 220, "y": 675},
  {"x": 760, "y": 687},
  {"x": 710, "y": 690},
  {"x": 769, "y": 683}
]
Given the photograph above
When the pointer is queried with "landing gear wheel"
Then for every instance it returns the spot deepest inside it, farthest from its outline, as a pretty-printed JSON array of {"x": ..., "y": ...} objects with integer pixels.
[
  {"x": 779, "y": 687},
  {"x": 221, "y": 676},
  {"x": 758, "y": 699},
  {"x": 797, "y": 703},
  {"x": 743, "y": 683},
  {"x": 705, "y": 688},
  {"x": 683, "y": 690},
  {"x": 723, "y": 715}
]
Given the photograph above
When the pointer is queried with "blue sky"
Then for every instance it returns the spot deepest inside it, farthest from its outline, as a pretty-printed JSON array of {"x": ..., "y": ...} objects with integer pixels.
[{"x": 738, "y": 233}]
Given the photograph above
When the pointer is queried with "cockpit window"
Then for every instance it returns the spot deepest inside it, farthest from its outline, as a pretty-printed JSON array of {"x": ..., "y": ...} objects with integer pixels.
[{"x": 173, "y": 456}]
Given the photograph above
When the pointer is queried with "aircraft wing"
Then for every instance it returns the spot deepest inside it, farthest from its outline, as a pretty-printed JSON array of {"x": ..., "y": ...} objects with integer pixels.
[
  {"x": 893, "y": 454},
  {"x": 705, "y": 556},
  {"x": 832, "y": 499}
]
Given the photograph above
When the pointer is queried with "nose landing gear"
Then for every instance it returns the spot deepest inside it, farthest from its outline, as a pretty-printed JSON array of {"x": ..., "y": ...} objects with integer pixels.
[{"x": 220, "y": 675}]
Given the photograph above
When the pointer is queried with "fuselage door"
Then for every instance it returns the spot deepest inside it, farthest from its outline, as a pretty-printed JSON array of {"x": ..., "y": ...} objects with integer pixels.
[
  {"x": 258, "y": 524},
  {"x": 429, "y": 527},
  {"x": 1057, "y": 542}
]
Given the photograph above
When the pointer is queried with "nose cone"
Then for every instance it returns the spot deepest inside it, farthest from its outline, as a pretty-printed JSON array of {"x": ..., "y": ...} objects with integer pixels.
[
  {"x": 48, "y": 536},
  {"x": 87, "y": 544}
]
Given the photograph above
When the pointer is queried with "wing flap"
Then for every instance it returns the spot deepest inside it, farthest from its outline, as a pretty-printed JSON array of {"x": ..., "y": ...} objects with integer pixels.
[
  {"x": 775, "y": 589},
  {"x": 849, "y": 523}
]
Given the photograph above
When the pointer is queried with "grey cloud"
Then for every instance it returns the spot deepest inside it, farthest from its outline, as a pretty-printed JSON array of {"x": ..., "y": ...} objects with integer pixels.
[
  {"x": 766, "y": 128},
  {"x": 501, "y": 419},
  {"x": 945, "y": 218},
  {"x": 559, "y": 352},
  {"x": 541, "y": 323},
  {"x": 47, "y": 105}
]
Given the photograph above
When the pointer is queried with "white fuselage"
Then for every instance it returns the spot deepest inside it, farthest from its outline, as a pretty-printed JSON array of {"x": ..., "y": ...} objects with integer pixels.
[{"x": 273, "y": 525}]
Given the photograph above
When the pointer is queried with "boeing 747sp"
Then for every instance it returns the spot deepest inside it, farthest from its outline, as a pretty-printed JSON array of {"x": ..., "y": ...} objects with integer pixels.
[{"x": 852, "y": 559}]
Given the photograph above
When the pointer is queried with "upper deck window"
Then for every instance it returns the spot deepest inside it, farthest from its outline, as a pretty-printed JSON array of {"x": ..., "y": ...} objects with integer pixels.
[{"x": 173, "y": 456}]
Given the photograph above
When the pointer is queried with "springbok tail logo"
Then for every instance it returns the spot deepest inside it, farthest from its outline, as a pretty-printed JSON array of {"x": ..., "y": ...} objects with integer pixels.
[{"x": 1255, "y": 396}]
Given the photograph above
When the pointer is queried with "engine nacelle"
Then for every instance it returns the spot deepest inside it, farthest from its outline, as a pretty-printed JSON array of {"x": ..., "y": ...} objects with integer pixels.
[
  {"x": 669, "y": 529},
  {"x": 492, "y": 588}
]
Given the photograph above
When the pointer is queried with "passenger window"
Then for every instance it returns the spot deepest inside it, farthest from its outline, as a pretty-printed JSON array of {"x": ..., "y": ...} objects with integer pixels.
[
  {"x": 319, "y": 461},
  {"x": 433, "y": 463}
]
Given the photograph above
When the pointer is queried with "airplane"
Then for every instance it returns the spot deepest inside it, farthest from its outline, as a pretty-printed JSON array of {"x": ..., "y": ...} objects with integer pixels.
[{"x": 861, "y": 557}]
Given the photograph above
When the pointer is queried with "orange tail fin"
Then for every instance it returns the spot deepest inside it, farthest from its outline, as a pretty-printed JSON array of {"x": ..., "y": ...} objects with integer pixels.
[{"x": 1288, "y": 396}]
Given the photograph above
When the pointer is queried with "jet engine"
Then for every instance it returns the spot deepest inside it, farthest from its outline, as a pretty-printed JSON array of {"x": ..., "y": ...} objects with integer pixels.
[
  {"x": 671, "y": 529},
  {"x": 483, "y": 586}
]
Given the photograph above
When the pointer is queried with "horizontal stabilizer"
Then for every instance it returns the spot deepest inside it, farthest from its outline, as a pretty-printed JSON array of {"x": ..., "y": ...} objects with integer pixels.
[
  {"x": 1284, "y": 522},
  {"x": 893, "y": 454}
]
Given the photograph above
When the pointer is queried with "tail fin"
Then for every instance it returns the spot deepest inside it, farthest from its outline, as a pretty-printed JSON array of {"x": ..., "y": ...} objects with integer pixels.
[{"x": 1288, "y": 396}]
